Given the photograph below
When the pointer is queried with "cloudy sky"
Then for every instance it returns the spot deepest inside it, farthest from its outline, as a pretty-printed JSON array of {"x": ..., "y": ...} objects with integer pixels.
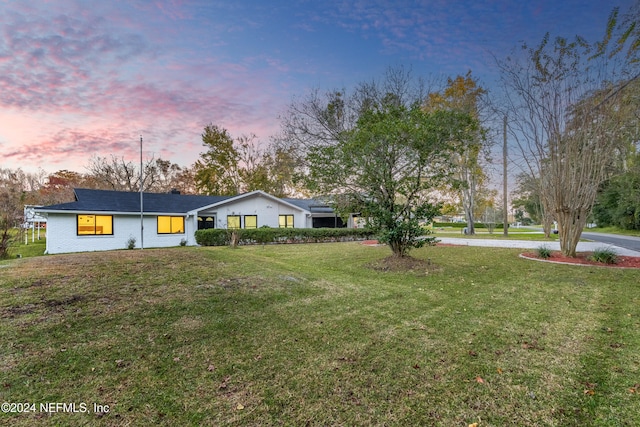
[{"x": 89, "y": 77}]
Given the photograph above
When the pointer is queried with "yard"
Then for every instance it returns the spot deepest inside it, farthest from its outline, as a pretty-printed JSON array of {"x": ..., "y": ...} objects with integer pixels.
[{"x": 314, "y": 335}]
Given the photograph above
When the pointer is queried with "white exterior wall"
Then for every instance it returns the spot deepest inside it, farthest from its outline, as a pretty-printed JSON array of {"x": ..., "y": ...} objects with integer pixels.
[
  {"x": 62, "y": 234},
  {"x": 267, "y": 210},
  {"x": 308, "y": 222}
]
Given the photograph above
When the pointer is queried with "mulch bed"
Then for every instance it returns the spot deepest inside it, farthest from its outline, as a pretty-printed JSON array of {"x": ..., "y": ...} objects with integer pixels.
[
  {"x": 583, "y": 258},
  {"x": 395, "y": 264},
  {"x": 404, "y": 264}
]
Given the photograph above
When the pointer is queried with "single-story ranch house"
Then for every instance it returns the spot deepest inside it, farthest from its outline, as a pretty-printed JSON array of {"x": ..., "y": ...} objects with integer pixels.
[{"x": 100, "y": 220}]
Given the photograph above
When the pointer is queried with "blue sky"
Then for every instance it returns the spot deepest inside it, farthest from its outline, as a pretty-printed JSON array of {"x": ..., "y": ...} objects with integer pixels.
[{"x": 83, "y": 78}]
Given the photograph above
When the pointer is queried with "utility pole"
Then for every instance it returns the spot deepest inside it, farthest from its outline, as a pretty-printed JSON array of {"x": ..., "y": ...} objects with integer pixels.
[
  {"x": 505, "y": 212},
  {"x": 141, "y": 201}
]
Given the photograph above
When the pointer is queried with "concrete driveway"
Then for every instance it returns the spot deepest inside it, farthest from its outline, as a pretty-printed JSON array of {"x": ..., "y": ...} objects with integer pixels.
[{"x": 529, "y": 244}]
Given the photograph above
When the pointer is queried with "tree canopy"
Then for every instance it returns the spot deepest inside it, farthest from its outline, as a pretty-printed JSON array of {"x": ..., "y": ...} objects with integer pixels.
[
  {"x": 464, "y": 94},
  {"x": 378, "y": 153},
  {"x": 567, "y": 99},
  {"x": 233, "y": 166},
  {"x": 618, "y": 203},
  {"x": 216, "y": 172}
]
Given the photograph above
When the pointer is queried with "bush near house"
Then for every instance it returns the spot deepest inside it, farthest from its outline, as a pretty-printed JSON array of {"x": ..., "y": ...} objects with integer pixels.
[
  {"x": 221, "y": 237},
  {"x": 464, "y": 224}
]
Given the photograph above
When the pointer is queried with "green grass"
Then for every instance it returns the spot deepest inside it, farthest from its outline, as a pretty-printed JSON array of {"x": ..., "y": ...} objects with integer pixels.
[
  {"x": 309, "y": 335},
  {"x": 33, "y": 247}
]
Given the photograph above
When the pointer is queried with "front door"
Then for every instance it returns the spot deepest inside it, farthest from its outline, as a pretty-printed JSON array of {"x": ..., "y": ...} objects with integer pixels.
[{"x": 205, "y": 222}]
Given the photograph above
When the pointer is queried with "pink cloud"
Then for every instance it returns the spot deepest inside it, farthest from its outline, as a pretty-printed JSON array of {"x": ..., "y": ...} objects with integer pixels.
[
  {"x": 100, "y": 87},
  {"x": 101, "y": 73},
  {"x": 56, "y": 62},
  {"x": 173, "y": 9}
]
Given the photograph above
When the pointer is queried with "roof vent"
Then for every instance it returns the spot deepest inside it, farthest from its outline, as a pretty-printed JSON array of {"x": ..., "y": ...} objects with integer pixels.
[{"x": 175, "y": 191}]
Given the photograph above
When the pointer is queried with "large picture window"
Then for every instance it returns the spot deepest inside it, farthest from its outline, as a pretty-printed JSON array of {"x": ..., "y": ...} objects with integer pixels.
[
  {"x": 233, "y": 221},
  {"x": 170, "y": 225},
  {"x": 90, "y": 225},
  {"x": 285, "y": 221},
  {"x": 251, "y": 221}
]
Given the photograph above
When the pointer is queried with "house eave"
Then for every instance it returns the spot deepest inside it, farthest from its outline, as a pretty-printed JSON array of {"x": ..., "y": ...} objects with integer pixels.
[
  {"x": 96, "y": 212},
  {"x": 256, "y": 193}
]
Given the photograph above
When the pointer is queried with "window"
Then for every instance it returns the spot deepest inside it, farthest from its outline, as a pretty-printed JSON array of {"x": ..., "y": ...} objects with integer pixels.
[
  {"x": 328, "y": 222},
  {"x": 250, "y": 221},
  {"x": 94, "y": 225},
  {"x": 170, "y": 225},
  {"x": 233, "y": 221},
  {"x": 285, "y": 221},
  {"x": 206, "y": 222}
]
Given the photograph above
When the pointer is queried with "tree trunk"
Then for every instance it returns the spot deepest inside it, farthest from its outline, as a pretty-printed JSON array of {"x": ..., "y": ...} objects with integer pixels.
[
  {"x": 546, "y": 204},
  {"x": 471, "y": 229},
  {"x": 234, "y": 240},
  {"x": 547, "y": 222},
  {"x": 398, "y": 249},
  {"x": 468, "y": 202},
  {"x": 570, "y": 225}
]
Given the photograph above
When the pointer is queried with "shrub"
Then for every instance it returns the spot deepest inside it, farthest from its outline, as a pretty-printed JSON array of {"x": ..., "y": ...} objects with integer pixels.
[
  {"x": 543, "y": 252},
  {"x": 261, "y": 236},
  {"x": 496, "y": 226},
  {"x": 605, "y": 256},
  {"x": 131, "y": 243}
]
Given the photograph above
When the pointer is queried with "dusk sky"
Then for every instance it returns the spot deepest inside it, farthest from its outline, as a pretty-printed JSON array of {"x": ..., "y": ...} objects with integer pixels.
[{"x": 83, "y": 78}]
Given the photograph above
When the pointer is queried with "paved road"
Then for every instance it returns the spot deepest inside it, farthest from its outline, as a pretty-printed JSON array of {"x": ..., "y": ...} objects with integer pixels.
[{"x": 626, "y": 242}]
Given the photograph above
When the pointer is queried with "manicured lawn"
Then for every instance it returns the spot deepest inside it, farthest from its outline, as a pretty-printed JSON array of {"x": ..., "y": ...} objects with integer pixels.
[{"x": 309, "y": 335}]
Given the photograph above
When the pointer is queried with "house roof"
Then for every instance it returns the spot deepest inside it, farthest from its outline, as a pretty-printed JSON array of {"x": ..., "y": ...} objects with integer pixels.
[
  {"x": 88, "y": 200},
  {"x": 311, "y": 205},
  {"x": 126, "y": 201}
]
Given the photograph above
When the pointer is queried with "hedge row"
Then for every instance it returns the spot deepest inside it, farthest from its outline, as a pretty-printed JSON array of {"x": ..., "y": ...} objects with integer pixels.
[
  {"x": 464, "y": 224},
  {"x": 222, "y": 237}
]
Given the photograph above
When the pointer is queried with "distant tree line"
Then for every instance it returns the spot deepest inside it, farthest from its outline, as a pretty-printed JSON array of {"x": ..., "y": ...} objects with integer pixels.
[{"x": 618, "y": 202}]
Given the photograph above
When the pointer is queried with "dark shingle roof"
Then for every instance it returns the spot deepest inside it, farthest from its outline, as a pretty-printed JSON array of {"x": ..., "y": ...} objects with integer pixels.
[
  {"x": 88, "y": 200},
  {"x": 124, "y": 201}
]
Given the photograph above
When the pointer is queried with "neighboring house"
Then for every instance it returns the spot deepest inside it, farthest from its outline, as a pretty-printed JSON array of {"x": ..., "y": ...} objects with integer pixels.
[{"x": 102, "y": 220}]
